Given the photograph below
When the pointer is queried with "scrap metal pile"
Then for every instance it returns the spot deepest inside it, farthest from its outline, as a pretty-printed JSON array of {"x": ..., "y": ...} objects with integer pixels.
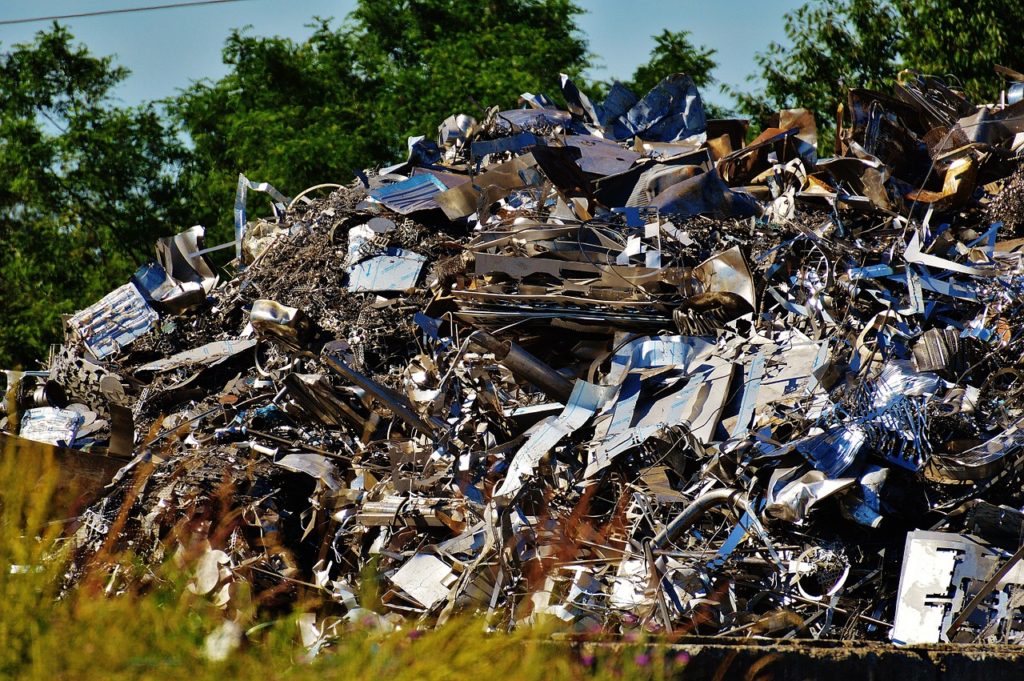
[{"x": 610, "y": 364}]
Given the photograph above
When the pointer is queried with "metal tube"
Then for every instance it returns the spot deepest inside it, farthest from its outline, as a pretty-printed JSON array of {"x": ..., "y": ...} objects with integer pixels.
[
  {"x": 525, "y": 366},
  {"x": 396, "y": 403},
  {"x": 696, "y": 510}
]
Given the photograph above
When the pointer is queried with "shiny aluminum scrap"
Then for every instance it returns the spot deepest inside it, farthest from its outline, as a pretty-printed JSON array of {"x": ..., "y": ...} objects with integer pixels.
[{"x": 613, "y": 364}]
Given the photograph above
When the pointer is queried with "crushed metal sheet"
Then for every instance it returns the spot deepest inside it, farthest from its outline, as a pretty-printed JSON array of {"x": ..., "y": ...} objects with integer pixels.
[{"x": 110, "y": 325}]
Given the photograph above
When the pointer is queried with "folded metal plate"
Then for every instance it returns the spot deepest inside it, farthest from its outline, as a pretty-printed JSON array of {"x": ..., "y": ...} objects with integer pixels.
[
  {"x": 585, "y": 400},
  {"x": 207, "y": 355},
  {"x": 426, "y": 578},
  {"x": 408, "y": 196},
  {"x": 397, "y": 270},
  {"x": 601, "y": 157},
  {"x": 50, "y": 425},
  {"x": 940, "y": 573},
  {"x": 115, "y": 321},
  {"x": 834, "y": 451}
]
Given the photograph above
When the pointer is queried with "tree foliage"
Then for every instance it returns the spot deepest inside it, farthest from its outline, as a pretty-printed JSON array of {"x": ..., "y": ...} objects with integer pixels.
[
  {"x": 85, "y": 187},
  {"x": 835, "y": 44},
  {"x": 962, "y": 41},
  {"x": 434, "y": 57},
  {"x": 674, "y": 53},
  {"x": 292, "y": 114},
  {"x": 297, "y": 114},
  {"x": 832, "y": 46}
]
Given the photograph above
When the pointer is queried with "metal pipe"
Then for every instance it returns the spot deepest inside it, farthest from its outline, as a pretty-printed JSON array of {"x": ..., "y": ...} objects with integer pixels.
[
  {"x": 525, "y": 366},
  {"x": 395, "y": 402},
  {"x": 696, "y": 510}
]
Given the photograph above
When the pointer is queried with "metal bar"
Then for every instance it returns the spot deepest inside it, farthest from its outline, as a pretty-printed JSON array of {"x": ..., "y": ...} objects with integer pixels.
[
  {"x": 396, "y": 403},
  {"x": 297, "y": 445},
  {"x": 525, "y": 366},
  {"x": 986, "y": 589}
]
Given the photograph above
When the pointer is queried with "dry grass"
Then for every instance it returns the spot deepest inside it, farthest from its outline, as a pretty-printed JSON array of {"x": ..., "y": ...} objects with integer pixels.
[{"x": 160, "y": 630}]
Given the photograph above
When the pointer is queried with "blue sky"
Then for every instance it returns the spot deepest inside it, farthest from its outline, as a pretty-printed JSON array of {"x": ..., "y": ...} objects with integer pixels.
[{"x": 168, "y": 49}]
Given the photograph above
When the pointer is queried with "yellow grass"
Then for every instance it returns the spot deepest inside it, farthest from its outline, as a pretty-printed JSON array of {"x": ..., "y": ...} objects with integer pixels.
[{"x": 159, "y": 630}]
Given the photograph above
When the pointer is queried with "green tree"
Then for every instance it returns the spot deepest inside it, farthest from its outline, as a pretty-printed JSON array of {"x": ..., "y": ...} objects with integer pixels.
[
  {"x": 85, "y": 187},
  {"x": 962, "y": 41},
  {"x": 835, "y": 44},
  {"x": 831, "y": 46},
  {"x": 297, "y": 114},
  {"x": 292, "y": 114},
  {"x": 674, "y": 53},
  {"x": 433, "y": 58}
]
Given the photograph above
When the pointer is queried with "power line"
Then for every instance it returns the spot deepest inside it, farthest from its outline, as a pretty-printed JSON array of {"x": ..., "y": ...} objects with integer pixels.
[{"x": 126, "y": 10}]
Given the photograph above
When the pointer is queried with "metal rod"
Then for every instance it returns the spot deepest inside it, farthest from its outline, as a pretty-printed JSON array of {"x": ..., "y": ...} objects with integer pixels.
[
  {"x": 841, "y": 611},
  {"x": 986, "y": 589},
  {"x": 525, "y": 366},
  {"x": 297, "y": 445},
  {"x": 395, "y": 402}
]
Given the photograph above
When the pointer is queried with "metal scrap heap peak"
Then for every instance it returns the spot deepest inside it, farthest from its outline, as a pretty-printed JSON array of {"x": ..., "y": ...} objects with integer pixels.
[{"x": 614, "y": 364}]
